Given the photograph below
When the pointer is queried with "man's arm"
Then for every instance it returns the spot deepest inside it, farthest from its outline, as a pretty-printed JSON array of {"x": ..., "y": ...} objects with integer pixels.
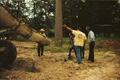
[
  {"x": 85, "y": 39},
  {"x": 67, "y": 28}
]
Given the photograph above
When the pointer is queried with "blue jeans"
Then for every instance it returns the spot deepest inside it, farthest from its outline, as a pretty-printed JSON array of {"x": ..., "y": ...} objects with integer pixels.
[{"x": 79, "y": 53}]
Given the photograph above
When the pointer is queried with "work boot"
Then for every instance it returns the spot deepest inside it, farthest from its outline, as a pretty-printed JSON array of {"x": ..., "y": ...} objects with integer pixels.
[{"x": 39, "y": 55}]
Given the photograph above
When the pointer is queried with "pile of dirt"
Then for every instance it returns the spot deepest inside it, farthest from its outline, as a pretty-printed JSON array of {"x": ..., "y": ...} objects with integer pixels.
[{"x": 109, "y": 44}]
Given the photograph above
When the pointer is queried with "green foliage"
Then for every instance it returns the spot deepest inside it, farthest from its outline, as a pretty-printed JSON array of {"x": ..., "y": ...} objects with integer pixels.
[
  {"x": 99, "y": 46},
  {"x": 95, "y": 14},
  {"x": 86, "y": 46},
  {"x": 105, "y": 50},
  {"x": 52, "y": 48},
  {"x": 112, "y": 35},
  {"x": 65, "y": 40},
  {"x": 65, "y": 45},
  {"x": 41, "y": 14},
  {"x": 55, "y": 49},
  {"x": 100, "y": 38}
]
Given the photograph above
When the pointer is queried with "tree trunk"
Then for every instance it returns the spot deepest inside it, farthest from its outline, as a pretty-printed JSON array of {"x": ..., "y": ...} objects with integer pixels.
[
  {"x": 58, "y": 23},
  {"x": 46, "y": 18}
]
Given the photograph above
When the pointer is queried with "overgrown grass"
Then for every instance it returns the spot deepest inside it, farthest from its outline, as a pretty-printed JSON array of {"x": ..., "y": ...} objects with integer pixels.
[
  {"x": 52, "y": 48},
  {"x": 98, "y": 46},
  {"x": 56, "y": 49},
  {"x": 112, "y": 37},
  {"x": 65, "y": 45}
]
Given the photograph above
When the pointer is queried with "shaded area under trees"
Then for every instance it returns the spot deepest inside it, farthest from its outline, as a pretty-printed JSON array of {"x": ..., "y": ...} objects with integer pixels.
[{"x": 102, "y": 16}]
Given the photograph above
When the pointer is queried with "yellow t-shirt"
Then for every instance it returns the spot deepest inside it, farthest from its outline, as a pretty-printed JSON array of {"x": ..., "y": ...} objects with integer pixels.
[{"x": 79, "y": 38}]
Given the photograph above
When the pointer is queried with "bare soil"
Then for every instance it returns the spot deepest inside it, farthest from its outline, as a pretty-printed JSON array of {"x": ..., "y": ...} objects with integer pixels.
[{"x": 57, "y": 66}]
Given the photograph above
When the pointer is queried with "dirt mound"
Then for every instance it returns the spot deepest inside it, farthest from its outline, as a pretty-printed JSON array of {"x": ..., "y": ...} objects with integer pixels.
[{"x": 109, "y": 44}]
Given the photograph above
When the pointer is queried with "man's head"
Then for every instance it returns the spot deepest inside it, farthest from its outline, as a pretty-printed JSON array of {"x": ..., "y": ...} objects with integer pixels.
[
  {"x": 42, "y": 31},
  {"x": 79, "y": 29},
  {"x": 70, "y": 33},
  {"x": 87, "y": 28}
]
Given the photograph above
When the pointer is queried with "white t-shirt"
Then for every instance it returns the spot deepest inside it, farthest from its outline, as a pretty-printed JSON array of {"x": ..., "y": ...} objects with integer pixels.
[
  {"x": 79, "y": 38},
  {"x": 91, "y": 36}
]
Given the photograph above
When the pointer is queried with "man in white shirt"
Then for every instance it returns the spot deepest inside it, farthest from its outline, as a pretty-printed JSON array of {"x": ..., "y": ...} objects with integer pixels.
[
  {"x": 91, "y": 40},
  {"x": 80, "y": 39}
]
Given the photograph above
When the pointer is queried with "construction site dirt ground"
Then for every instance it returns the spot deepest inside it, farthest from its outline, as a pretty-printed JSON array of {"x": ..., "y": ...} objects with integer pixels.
[{"x": 57, "y": 66}]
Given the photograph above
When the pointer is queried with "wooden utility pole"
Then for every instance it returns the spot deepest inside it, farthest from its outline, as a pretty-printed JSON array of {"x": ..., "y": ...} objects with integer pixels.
[{"x": 58, "y": 23}]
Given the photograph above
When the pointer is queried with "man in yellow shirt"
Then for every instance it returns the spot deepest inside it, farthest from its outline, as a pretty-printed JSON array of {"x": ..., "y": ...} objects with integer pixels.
[{"x": 79, "y": 42}]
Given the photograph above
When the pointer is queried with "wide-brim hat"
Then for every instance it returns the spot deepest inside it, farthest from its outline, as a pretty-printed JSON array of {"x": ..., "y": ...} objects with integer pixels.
[{"x": 42, "y": 30}]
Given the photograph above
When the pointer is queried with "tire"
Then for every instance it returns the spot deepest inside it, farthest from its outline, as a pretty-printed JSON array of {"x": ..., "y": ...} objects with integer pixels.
[{"x": 8, "y": 53}]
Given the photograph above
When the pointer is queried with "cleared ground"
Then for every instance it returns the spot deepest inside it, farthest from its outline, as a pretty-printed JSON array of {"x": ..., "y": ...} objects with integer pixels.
[{"x": 57, "y": 66}]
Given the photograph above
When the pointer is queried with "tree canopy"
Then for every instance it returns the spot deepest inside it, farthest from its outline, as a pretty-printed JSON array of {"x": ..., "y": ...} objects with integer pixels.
[{"x": 101, "y": 16}]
